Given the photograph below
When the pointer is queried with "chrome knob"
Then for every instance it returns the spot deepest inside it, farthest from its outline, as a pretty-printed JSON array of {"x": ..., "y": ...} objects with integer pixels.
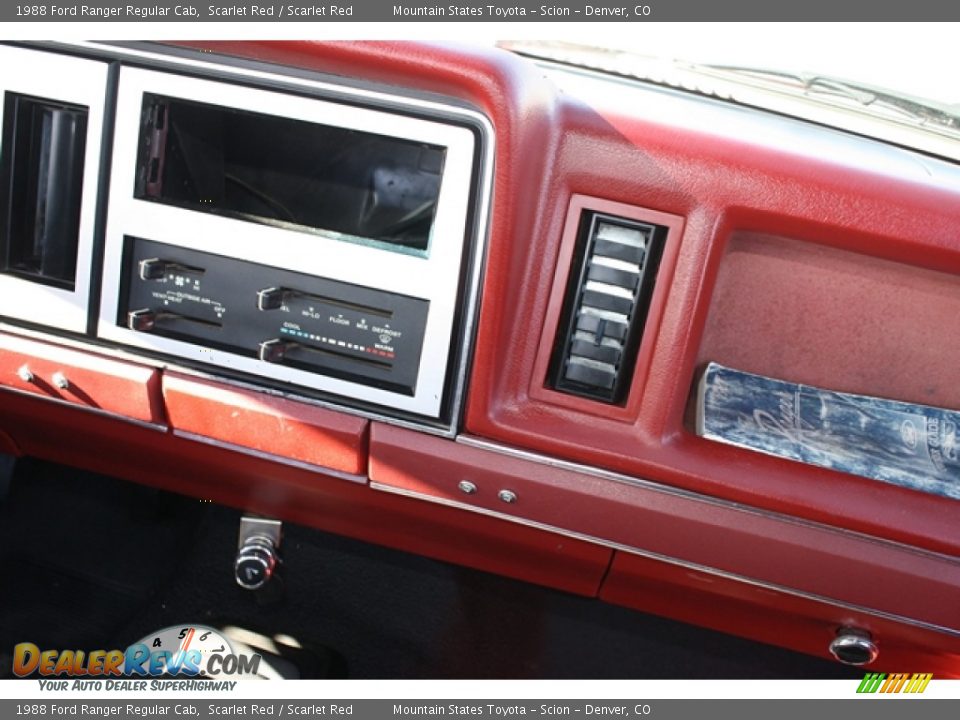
[
  {"x": 256, "y": 561},
  {"x": 60, "y": 380},
  {"x": 854, "y": 647},
  {"x": 25, "y": 374}
]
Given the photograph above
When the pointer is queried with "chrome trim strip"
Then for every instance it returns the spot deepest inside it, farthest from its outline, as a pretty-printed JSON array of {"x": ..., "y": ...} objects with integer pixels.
[
  {"x": 260, "y": 455},
  {"x": 95, "y": 411},
  {"x": 654, "y": 486},
  {"x": 715, "y": 572},
  {"x": 471, "y": 311}
]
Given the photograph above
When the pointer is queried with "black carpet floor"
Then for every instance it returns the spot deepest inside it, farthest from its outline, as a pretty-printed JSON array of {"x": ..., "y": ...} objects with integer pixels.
[{"x": 90, "y": 562}]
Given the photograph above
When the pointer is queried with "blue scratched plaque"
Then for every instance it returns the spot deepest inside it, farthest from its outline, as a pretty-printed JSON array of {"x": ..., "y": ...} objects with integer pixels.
[{"x": 915, "y": 446}]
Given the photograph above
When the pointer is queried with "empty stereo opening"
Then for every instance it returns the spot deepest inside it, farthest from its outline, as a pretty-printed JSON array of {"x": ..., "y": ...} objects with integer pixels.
[
  {"x": 289, "y": 173},
  {"x": 44, "y": 142},
  {"x": 605, "y": 307}
]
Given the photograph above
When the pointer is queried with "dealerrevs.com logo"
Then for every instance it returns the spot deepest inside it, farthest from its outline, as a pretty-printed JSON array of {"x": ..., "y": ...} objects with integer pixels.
[
  {"x": 181, "y": 651},
  {"x": 896, "y": 683}
]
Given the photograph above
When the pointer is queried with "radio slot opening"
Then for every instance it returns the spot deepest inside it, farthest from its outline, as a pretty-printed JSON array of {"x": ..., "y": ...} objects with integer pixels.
[{"x": 307, "y": 176}]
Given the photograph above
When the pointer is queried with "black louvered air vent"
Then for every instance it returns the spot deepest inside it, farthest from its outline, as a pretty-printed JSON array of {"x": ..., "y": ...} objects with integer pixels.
[{"x": 611, "y": 282}]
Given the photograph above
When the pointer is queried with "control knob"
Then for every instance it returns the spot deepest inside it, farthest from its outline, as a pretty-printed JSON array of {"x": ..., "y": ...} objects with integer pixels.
[
  {"x": 157, "y": 268},
  {"x": 271, "y": 298},
  {"x": 153, "y": 269},
  {"x": 256, "y": 562},
  {"x": 141, "y": 320},
  {"x": 273, "y": 351}
]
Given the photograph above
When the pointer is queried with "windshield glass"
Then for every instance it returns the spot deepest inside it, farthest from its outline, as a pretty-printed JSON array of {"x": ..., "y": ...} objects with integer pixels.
[{"x": 892, "y": 82}]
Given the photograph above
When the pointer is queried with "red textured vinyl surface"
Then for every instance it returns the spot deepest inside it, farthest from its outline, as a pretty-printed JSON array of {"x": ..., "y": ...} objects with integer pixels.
[
  {"x": 893, "y": 327},
  {"x": 267, "y": 424},
  {"x": 714, "y": 183}
]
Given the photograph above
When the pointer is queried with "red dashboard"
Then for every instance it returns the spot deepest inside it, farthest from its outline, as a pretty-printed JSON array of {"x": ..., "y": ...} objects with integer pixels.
[{"x": 791, "y": 251}]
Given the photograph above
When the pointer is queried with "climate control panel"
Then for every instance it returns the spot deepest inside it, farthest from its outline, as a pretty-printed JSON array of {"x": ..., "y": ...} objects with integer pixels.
[{"x": 277, "y": 316}]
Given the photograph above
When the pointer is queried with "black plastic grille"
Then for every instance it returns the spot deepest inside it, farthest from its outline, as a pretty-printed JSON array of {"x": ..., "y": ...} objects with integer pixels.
[{"x": 607, "y": 300}]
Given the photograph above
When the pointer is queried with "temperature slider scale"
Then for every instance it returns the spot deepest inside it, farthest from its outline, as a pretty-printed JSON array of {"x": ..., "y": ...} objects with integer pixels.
[{"x": 279, "y": 316}]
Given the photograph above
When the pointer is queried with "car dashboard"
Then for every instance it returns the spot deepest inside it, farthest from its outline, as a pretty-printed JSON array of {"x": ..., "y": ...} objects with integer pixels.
[{"x": 465, "y": 304}]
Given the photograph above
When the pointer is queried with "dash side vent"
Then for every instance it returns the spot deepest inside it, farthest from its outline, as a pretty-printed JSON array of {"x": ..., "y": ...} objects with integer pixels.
[{"x": 606, "y": 303}]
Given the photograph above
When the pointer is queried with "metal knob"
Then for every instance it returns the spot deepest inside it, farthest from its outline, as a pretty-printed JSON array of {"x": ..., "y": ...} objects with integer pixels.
[
  {"x": 60, "y": 380},
  {"x": 25, "y": 374},
  {"x": 854, "y": 647},
  {"x": 256, "y": 561}
]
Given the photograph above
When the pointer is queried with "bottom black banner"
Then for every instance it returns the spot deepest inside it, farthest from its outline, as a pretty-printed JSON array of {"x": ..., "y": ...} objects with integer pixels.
[{"x": 874, "y": 708}]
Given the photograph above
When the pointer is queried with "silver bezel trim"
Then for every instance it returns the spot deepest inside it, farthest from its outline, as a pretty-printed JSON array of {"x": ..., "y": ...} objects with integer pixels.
[
  {"x": 434, "y": 278},
  {"x": 81, "y": 82}
]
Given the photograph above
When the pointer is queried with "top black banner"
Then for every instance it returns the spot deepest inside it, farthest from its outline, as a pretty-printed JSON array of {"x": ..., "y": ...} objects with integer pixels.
[{"x": 473, "y": 11}]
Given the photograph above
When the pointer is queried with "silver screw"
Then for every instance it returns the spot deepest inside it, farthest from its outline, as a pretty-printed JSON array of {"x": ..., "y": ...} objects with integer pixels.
[
  {"x": 23, "y": 372},
  {"x": 508, "y": 496},
  {"x": 60, "y": 380},
  {"x": 468, "y": 487}
]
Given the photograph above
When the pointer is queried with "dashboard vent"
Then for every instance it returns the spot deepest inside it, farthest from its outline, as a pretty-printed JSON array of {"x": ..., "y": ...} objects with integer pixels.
[{"x": 605, "y": 307}]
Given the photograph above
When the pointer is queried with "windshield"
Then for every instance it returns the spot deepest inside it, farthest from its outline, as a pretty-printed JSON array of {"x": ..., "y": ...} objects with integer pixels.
[{"x": 891, "y": 82}]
